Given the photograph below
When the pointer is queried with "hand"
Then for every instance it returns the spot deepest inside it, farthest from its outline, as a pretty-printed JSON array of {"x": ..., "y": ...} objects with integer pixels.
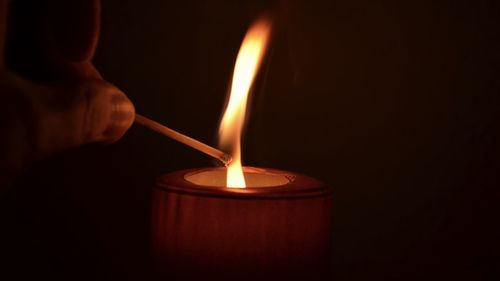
[{"x": 51, "y": 96}]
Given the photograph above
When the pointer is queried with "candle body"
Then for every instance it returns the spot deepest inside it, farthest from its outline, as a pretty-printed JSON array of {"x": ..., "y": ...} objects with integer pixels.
[{"x": 222, "y": 234}]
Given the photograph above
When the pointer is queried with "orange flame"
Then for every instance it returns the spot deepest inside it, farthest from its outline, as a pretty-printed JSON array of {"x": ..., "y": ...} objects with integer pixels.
[{"x": 246, "y": 67}]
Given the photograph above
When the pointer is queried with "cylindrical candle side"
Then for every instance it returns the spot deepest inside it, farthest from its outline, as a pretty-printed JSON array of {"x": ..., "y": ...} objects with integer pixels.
[{"x": 218, "y": 233}]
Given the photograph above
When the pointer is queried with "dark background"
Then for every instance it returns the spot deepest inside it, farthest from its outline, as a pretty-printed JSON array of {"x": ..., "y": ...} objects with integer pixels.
[{"x": 394, "y": 104}]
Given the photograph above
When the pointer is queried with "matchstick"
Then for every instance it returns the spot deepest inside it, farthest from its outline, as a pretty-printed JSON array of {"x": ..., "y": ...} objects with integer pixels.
[{"x": 155, "y": 126}]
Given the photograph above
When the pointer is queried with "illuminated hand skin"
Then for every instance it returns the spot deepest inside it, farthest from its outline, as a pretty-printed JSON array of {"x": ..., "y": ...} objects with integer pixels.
[{"x": 51, "y": 96}]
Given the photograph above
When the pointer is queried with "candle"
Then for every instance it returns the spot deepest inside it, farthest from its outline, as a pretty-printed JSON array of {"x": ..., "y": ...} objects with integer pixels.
[
  {"x": 279, "y": 226},
  {"x": 240, "y": 223}
]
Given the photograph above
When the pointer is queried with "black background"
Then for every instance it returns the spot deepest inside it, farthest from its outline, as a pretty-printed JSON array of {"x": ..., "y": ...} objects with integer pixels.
[{"x": 394, "y": 104}]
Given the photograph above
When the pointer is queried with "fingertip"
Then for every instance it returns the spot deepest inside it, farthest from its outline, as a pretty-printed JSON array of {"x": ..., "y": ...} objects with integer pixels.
[
  {"x": 121, "y": 118},
  {"x": 109, "y": 113}
]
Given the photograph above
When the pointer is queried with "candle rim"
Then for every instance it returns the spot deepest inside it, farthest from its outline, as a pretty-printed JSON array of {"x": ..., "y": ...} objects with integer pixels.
[{"x": 300, "y": 187}]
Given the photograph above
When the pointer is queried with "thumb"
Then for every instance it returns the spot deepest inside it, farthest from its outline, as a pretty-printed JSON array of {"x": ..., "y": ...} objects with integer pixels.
[
  {"x": 70, "y": 28},
  {"x": 67, "y": 116}
]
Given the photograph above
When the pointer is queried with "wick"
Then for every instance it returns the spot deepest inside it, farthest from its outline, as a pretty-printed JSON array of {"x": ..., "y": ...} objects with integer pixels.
[{"x": 159, "y": 128}]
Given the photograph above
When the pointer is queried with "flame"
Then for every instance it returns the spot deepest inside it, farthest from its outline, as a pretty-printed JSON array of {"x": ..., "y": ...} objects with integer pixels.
[{"x": 247, "y": 64}]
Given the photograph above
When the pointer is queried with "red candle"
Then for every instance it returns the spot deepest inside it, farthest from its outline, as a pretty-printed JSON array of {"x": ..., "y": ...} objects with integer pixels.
[
  {"x": 279, "y": 226},
  {"x": 241, "y": 224}
]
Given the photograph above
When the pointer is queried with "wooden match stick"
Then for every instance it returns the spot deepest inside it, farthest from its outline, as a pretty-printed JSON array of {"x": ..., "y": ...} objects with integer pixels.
[{"x": 155, "y": 126}]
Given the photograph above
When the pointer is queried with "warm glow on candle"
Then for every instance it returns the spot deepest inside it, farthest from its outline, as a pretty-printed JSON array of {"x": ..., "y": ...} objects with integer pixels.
[{"x": 246, "y": 67}]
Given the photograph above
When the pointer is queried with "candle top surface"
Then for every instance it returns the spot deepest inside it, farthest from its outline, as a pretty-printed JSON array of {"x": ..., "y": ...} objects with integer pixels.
[{"x": 254, "y": 178}]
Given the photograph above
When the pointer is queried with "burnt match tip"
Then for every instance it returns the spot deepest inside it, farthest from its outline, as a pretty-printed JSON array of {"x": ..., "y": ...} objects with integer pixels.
[{"x": 226, "y": 159}]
